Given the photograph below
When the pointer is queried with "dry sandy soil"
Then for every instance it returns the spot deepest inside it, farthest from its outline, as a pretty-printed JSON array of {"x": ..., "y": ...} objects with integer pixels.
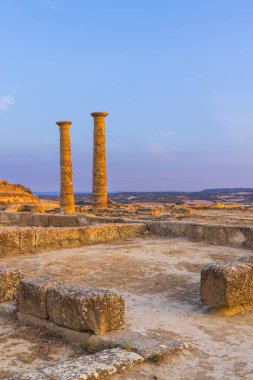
[{"x": 160, "y": 280}]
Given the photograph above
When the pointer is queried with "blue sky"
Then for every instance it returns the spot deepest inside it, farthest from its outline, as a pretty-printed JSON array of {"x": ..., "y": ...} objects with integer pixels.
[{"x": 176, "y": 78}]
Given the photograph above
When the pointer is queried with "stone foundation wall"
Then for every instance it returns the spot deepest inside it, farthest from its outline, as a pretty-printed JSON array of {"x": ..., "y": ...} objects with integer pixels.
[
  {"x": 43, "y": 220},
  {"x": 218, "y": 234},
  {"x": 234, "y": 236},
  {"x": 21, "y": 240},
  {"x": 54, "y": 220}
]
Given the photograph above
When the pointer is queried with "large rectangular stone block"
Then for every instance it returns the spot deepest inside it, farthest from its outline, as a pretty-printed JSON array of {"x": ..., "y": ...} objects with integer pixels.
[
  {"x": 32, "y": 296},
  {"x": 40, "y": 220},
  {"x": 227, "y": 285},
  {"x": 9, "y": 279},
  {"x": 9, "y": 241},
  {"x": 56, "y": 238},
  {"x": 98, "y": 234},
  {"x": 235, "y": 236},
  {"x": 215, "y": 234},
  {"x": 27, "y": 240},
  {"x": 168, "y": 229},
  {"x": 131, "y": 229},
  {"x": 26, "y": 218},
  {"x": 63, "y": 220},
  {"x": 248, "y": 234},
  {"x": 86, "y": 309},
  {"x": 192, "y": 231}
]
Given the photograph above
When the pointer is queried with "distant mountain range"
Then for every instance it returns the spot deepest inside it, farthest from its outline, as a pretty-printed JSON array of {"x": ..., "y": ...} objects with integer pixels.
[{"x": 209, "y": 196}]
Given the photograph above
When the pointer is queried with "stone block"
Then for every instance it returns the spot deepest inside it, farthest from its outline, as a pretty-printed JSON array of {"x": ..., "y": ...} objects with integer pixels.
[
  {"x": 9, "y": 241},
  {"x": 63, "y": 220},
  {"x": 99, "y": 366},
  {"x": 227, "y": 285},
  {"x": 86, "y": 309},
  {"x": 98, "y": 234},
  {"x": 9, "y": 279},
  {"x": 32, "y": 296},
  {"x": 26, "y": 218},
  {"x": 248, "y": 234},
  {"x": 215, "y": 234},
  {"x": 40, "y": 220},
  {"x": 11, "y": 216},
  {"x": 82, "y": 221},
  {"x": 169, "y": 229},
  {"x": 56, "y": 238},
  {"x": 131, "y": 229},
  {"x": 192, "y": 231},
  {"x": 27, "y": 240},
  {"x": 235, "y": 237}
]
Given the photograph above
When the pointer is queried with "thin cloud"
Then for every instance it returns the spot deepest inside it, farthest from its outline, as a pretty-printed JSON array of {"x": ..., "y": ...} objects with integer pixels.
[
  {"x": 51, "y": 4},
  {"x": 5, "y": 102}
]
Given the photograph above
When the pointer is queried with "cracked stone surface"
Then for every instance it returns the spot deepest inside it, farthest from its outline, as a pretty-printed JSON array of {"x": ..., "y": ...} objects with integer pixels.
[
  {"x": 86, "y": 309},
  {"x": 96, "y": 366},
  {"x": 227, "y": 285},
  {"x": 9, "y": 279}
]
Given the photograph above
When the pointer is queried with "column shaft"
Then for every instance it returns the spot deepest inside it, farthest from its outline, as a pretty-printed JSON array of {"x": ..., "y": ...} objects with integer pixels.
[
  {"x": 99, "y": 185},
  {"x": 67, "y": 195}
]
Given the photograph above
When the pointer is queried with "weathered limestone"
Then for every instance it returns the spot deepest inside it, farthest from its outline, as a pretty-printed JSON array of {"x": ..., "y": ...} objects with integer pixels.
[
  {"x": 9, "y": 279},
  {"x": 78, "y": 308},
  {"x": 9, "y": 240},
  {"x": 227, "y": 286},
  {"x": 67, "y": 194},
  {"x": 86, "y": 309},
  {"x": 21, "y": 240},
  {"x": 32, "y": 296},
  {"x": 57, "y": 238},
  {"x": 99, "y": 187},
  {"x": 100, "y": 365},
  {"x": 27, "y": 240}
]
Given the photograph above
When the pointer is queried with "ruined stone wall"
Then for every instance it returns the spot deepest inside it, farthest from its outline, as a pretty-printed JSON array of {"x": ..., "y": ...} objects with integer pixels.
[
  {"x": 21, "y": 240},
  {"x": 235, "y": 236},
  {"x": 55, "y": 220}
]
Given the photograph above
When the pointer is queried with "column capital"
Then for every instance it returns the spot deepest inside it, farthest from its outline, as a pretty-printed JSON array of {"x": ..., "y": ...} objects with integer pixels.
[
  {"x": 63, "y": 123},
  {"x": 94, "y": 114}
]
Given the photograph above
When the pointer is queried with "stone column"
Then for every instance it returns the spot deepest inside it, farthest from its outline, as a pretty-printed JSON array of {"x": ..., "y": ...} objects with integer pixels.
[
  {"x": 67, "y": 195},
  {"x": 99, "y": 188}
]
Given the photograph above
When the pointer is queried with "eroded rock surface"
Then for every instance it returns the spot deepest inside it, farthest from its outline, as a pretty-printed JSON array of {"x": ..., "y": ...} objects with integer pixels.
[
  {"x": 32, "y": 296},
  {"x": 86, "y": 309},
  {"x": 96, "y": 366},
  {"x": 227, "y": 285},
  {"x": 9, "y": 279}
]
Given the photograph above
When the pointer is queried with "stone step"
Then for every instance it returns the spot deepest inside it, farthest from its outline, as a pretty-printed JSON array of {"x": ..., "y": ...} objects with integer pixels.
[{"x": 97, "y": 366}]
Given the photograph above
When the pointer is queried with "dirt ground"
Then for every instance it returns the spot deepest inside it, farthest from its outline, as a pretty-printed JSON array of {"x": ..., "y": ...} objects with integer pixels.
[
  {"x": 160, "y": 280},
  {"x": 24, "y": 349}
]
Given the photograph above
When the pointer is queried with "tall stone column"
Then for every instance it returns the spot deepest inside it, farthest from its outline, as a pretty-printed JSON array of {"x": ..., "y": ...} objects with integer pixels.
[
  {"x": 99, "y": 187},
  {"x": 67, "y": 202}
]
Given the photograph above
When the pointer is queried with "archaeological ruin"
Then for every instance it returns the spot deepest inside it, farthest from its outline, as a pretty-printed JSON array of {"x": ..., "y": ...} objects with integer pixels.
[
  {"x": 103, "y": 287},
  {"x": 67, "y": 195},
  {"x": 99, "y": 187},
  {"x": 137, "y": 291}
]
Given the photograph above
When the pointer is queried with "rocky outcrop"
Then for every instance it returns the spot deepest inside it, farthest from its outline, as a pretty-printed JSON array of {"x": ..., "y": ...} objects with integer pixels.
[{"x": 16, "y": 194}]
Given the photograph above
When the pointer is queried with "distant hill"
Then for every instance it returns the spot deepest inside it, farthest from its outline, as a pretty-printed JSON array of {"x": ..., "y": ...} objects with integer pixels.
[
  {"x": 209, "y": 196},
  {"x": 228, "y": 190},
  {"x": 11, "y": 193}
]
